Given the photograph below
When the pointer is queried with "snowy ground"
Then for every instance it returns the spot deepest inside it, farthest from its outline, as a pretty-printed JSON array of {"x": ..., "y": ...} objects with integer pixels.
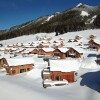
[
  {"x": 70, "y": 35},
  {"x": 28, "y": 86},
  {"x": 24, "y": 87}
]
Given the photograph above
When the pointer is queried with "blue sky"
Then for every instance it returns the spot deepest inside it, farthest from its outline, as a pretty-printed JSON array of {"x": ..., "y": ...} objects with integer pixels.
[{"x": 15, "y": 12}]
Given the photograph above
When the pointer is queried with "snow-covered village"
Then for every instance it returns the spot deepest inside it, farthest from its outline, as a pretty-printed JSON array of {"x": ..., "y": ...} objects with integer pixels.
[
  {"x": 56, "y": 56},
  {"x": 51, "y": 66}
]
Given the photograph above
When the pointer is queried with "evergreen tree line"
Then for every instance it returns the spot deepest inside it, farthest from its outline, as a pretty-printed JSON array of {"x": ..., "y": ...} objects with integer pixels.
[{"x": 65, "y": 22}]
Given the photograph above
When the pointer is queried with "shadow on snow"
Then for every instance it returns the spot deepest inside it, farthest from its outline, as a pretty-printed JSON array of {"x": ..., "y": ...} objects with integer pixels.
[{"x": 91, "y": 80}]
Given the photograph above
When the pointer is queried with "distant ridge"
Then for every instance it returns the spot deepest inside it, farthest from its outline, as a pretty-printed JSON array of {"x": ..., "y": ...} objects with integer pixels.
[{"x": 81, "y": 17}]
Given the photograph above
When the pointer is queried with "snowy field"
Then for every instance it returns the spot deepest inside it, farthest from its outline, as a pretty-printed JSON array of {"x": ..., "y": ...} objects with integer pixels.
[
  {"x": 28, "y": 86},
  {"x": 24, "y": 87},
  {"x": 70, "y": 35}
]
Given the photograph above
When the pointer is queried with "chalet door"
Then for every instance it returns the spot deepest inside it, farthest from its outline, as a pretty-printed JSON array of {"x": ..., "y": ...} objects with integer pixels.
[{"x": 58, "y": 78}]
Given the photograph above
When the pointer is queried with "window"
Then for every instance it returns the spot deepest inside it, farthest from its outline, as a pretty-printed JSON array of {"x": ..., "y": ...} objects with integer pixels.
[
  {"x": 22, "y": 70},
  {"x": 13, "y": 71},
  {"x": 28, "y": 69},
  {"x": 58, "y": 78},
  {"x": 57, "y": 54}
]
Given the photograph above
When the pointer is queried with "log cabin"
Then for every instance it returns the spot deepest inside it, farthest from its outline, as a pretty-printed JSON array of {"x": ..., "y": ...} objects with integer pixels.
[
  {"x": 28, "y": 45},
  {"x": 17, "y": 66},
  {"x": 61, "y": 52},
  {"x": 46, "y": 51},
  {"x": 77, "y": 37},
  {"x": 34, "y": 51},
  {"x": 75, "y": 52},
  {"x": 43, "y": 46},
  {"x": 92, "y": 37},
  {"x": 94, "y": 44},
  {"x": 19, "y": 44},
  {"x": 60, "y": 70},
  {"x": 10, "y": 45},
  {"x": 3, "y": 62}
]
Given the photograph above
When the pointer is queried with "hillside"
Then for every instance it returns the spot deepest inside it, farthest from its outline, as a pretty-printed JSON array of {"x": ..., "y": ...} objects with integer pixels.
[
  {"x": 28, "y": 85},
  {"x": 81, "y": 17},
  {"x": 70, "y": 35}
]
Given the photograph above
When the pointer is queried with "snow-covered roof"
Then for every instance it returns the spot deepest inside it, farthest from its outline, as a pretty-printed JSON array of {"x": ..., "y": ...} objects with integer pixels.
[
  {"x": 44, "y": 41},
  {"x": 19, "y": 44},
  {"x": 47, "y": 44},
  {"x": 64, "y": 50},
  {"x": 26, "y": 51},
  {"x": 71, "y": 44},
  {"x": 64, "y": 65},
  {"x": 20, "y": 49},
  {"x": 56, "y": 44},
  {"x": 80, "y": 50},
  {"x": 26, "y": 44},
  {"x": 35, "y": 45},
  {"x": 48, "y": 49},
  {"x": 10, "y": 45},
  {"x": 97, "y": 41},
  {"x": 19, "y": 61},
  {"x": 11, "y": 48}
]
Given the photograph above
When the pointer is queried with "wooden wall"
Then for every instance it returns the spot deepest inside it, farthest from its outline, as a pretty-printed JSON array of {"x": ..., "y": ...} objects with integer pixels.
[
  {"x": 69, "y": 76},
  {"x": 2, "y": 62},
  {"x": 60, "y": 54},
  {"x": 13, "y": 70},
  {"x": 58, "y": 75}
]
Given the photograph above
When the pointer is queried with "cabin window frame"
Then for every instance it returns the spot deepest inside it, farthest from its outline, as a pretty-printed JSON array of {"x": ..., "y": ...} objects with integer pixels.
[
  {"x": 58, "y": 78},
  {"x": 28, "y": 69},
  {"x": 22, "y": 70},
  {"x": 13, "y": 71}
]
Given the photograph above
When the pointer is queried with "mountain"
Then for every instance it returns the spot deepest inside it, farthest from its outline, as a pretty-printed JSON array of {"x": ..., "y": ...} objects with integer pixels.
[{"x": 81, "y": 17}]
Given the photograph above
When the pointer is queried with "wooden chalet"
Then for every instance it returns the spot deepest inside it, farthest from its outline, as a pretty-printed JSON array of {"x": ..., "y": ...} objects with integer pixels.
[
  {"x": 17, "y": 66},
  {"x": 92, "y": 37},
  {"x": 46, "y": 51},
  {"x": 70, "y": 40},
  {"x": 19, "y": 45},
  {"x": 3, "y": 61},
  {"x": 43, "y": 46},
  {"x": 11, "y": 50},
  {"x": 75, "y": 40},
  {"x": 77, "y": 37},
  {"x": 80, "y": 44},
  {"x": 61, "y": 70},
  {"x": 60, "y": 52},
  {"x": 94, "y": 44},
  {"x": 26, "y": 52},
  {"x": 57, "y": 45},
  {"x": 20, "y": 51},
  {"x": 34, "y": 51},
  {"x": 28, "y": 45},
  {"x": 10, "y": 45},
  {"x": 75, "y": 52}
]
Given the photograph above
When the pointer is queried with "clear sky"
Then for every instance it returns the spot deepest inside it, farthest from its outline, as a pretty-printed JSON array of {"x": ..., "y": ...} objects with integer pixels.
[{"x": 15, "y": 12}]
